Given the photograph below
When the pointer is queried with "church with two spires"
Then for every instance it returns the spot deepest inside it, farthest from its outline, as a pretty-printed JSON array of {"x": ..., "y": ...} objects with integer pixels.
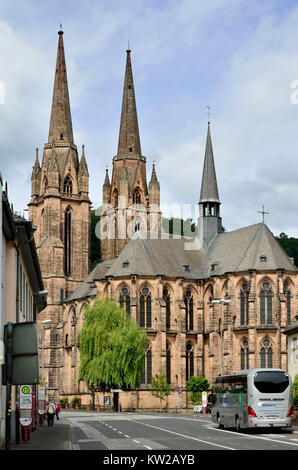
[{"x": 210, "y": 306}]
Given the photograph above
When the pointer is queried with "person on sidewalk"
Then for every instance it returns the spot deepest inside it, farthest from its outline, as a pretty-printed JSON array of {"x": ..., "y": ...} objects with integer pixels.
[
  {"x": 58, "y": 409},
  {"x": 51, "y": 413}
]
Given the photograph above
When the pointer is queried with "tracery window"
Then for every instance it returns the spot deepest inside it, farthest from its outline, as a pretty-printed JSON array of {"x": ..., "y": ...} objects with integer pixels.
[
  {"x": 266, "y": 353},
  {"x": 124, "y": 299},
  {"x": 115, "y": 197},
  {"x": 244, "y": 355},
  {"x": 266, "y": 304},
  {"x": 188, "y": 300},
  {"x": 67, "y": 187},
  {"x": 136, "y": 196},
  {"x": 67, "y": 242},
  {"x": 145, "y": 308},
  {"x": 244, "y": 304},
  {"x": 167, "y": 299},
  {"x": 287, "y": 294}
]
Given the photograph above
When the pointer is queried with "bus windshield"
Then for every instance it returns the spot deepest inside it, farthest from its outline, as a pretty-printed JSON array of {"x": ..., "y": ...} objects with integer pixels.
[{"x": 271, "y": 382}]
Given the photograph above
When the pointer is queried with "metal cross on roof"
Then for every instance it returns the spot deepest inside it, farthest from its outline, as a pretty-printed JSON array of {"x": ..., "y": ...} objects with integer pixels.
[{"x": 263, "y": 213}]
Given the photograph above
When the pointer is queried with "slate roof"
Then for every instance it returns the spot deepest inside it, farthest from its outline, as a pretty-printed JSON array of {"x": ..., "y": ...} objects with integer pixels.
[{"x": 236, "y": 251}]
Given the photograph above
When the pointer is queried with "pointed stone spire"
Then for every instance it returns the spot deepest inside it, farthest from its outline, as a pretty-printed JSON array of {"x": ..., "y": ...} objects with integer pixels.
[
  {"x": 129, "y": 139},
  {"x": 154, "y": 188},
  {"x": 107, "y": 179},
  {"x": 209, "y": 190},
  {"x": 83, "y": 168},
  {"x": 36, "y": 167},
  {"x": 60, "y": 123},
  {"x": 154, "y": 179}
]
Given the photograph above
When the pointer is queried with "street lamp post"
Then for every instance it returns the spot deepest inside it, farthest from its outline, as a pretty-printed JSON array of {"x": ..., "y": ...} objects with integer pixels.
[{"x": 222, "y": 302}]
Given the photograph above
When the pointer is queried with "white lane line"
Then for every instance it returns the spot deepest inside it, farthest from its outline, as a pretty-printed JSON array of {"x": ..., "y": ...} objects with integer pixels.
[
  {"x": 253, "y": 437},
  {"x": 126, "y": 436},
  {"x": 134, "y": 440},
  {"x": 183, "y": 435},
  {"x": 147, "y": 447}
]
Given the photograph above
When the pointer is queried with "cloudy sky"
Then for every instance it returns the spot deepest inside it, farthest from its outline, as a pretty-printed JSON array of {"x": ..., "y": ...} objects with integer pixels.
[{"x": 239, "y": 57}]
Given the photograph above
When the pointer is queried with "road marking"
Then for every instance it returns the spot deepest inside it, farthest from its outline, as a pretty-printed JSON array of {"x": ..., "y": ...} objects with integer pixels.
[
  {"x": 134, "y": 440},
  {"x": 147, "y": 447},
  {"x": 182, "y": 435},
  {"x": 252, "y": 437},
  {"x": 126, "y": 436}
]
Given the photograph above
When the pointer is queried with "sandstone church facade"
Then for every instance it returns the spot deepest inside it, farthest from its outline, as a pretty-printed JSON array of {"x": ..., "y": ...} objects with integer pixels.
[{"x": 212, "y": 305}]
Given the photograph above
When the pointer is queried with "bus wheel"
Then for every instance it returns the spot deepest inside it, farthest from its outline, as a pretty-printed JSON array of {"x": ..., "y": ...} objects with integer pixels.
[
  {"x": 238, "y": 429},
  {"x": 220, "y": 426}
]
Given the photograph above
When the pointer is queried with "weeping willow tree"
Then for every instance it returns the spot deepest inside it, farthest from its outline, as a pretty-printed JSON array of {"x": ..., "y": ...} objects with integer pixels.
[{"x": 112, "y": 348}]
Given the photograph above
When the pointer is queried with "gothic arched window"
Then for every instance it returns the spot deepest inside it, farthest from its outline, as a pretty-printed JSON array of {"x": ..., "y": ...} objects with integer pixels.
[
  {"x": 266, "y": 304},
  {"x": 146, "y": 375},
  {"x": 244, "y": 304},
  {"x": 124, "y": 299},
  {"x": 266, "y": 354},
  {"x": 287, "y": 293},
  {"x": 167, "y": 299},
  {"x": 45, "y": 184},
  {"x": 67, "y": 242},
  {"x": 188, "y": 300},
  {"x": 67, "y": 187},
  {"x": 136, "y": 199},
  {"x": 145, "y": 308},
  {"x": 168, "y": 370},
  {"x": 244, "y": 355},
  {"x": 189, "y": 361}
]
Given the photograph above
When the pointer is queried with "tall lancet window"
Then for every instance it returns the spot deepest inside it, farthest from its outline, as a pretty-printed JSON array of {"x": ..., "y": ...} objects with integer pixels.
[
  {"x": 136, "y": 196},
  {"x": 188, "y": 300},
  {"x": 167, "y": 299},
  {"x": 67, "y": 187},
  {"x": 244, "y": 304},
  {"x": 145, "y": 308},
  {"x": 189, "y": 361},
  {"x": 67, "y": 242},
  {"x": 266, "y": 304},
  {"x": 287, "y": 293},
  {"x": 124, "y": 299}
]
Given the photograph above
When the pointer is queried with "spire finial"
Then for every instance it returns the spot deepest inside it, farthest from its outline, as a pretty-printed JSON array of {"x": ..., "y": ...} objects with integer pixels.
[
  {"x": 60, "y": 30},
  {"x": 208, "y": 113},
  {"x": 128, "y": 48}
]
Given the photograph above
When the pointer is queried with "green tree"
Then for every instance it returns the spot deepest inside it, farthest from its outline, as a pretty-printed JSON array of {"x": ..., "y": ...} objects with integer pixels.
[
  {"x": 112, "y": 348},
  {"x": 197, "y": 385},
  {"x": 290, "y": 245},
  {"x": 295, "y": 391},
  {"x": 160, "y": 387}
]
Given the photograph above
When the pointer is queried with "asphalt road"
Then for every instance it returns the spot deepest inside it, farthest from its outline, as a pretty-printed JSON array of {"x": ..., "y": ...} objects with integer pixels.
[{"x": 139, "y": 431}]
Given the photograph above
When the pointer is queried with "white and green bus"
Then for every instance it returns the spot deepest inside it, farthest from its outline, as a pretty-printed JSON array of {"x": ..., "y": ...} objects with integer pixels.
[{"x": 253, "y": 398}]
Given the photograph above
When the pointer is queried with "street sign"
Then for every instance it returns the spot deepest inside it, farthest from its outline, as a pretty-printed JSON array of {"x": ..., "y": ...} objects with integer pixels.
[
  {"x": 41, "y": 394},
  {"x": 25, "y": 404},
  {"x": 115, "y": 390},
  {"x": 204, "y": 398}
]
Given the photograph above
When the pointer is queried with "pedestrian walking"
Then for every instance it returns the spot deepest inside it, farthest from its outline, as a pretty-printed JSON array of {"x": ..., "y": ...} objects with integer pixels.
[
  {"x": 51, "y": 408},
  {"x": 58, "y": 409}
]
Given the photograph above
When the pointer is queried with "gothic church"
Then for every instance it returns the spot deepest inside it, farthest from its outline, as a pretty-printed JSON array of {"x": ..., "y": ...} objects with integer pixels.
[{"x": 217, "y": 306}]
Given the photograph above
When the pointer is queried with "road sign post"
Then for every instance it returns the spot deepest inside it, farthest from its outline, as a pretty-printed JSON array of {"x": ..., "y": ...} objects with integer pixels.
[
  {"x": 26, "y": 409},
  {"x": 41, "y": 400}
]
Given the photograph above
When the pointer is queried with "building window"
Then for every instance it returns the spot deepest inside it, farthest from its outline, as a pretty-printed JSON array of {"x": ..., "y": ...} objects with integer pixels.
[
  {"x": 145, "y": 308},
  {"x": 189, "y": 361},
  {"x": 244, "y": 304},
  {"x": 67, "y": 243},
  {"x": 124, "y": 299},
  {"x": 263, "y": 259},
  {"x": 188, "y": 300},
  {"x": 287, "y": 293},
  {"x": 136, "y": 196},
  {"x": 146, "y": 375},
  {"x": 244, "y": 355},
  {"x": 67, "y": 187},
  {"x": 168, "y": 370},
  {"x": 266, "y": 354},
  {"x": 266, "y": 304},
  {"x": 167, "y": 299}
]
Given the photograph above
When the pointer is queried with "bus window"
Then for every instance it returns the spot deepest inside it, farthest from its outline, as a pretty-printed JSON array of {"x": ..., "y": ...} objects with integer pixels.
[{"x": 271, "y": 382}]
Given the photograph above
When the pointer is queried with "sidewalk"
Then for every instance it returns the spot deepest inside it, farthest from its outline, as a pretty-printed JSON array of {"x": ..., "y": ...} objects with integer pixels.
[{"x": 57, "y": 437}]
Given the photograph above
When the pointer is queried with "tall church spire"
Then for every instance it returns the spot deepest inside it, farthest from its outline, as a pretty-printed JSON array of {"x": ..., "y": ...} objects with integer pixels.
[
  {"x": 209, "y": 190},
  {"x": 209, "y": 222},
  {"x": 60, "y": 123},
  {"x": 129, "y": 139}
]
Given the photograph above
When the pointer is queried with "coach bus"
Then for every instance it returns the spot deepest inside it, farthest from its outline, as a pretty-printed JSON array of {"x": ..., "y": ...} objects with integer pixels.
[{"x": 253, "y": 398}]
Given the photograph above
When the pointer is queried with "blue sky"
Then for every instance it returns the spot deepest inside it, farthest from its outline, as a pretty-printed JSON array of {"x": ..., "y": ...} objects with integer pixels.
[{"x": 238, "y": 57}]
